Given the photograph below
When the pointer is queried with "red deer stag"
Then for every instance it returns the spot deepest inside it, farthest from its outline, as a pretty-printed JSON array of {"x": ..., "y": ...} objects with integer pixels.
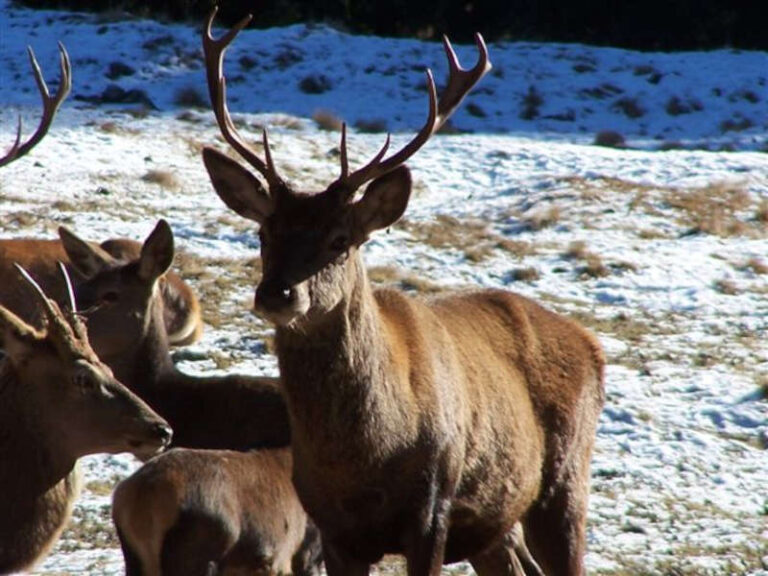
[
  {"x": 58, "y": 402},
  {"x": 182, "y": 310},
  {"x": 201, "y": 512},
  {"x": 426, "y": 428}
]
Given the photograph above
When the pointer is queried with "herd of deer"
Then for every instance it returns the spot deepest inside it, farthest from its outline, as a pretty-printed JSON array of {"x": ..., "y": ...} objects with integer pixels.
[{"x": 444, "y": 429}]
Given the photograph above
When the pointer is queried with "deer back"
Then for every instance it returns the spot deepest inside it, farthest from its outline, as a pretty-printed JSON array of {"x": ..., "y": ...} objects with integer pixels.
[
  {"x": 59, "y": 402},
  {"x": 232, "y": 510}
]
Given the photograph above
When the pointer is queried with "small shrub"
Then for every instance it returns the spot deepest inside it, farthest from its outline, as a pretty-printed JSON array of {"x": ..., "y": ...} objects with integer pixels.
[
  {"x": 544, "y": 218},
  {"x": 675, "y": 106},
  {"x": 119, "y": 69},
  {"x": 736, "y": 125},
  {"x": 162, "y": 178},
  {"x": 629, "y": 107},
  {"x": 727, "y": 287},
  {"x": 594, "y": 267},
  {"x": 532, "y": 101},
  {"x": 475, "y": 110},
  {"x": 247, "y": 62},
  {"x": 153, "y": 44},
  {"x": 609, "y": 139},
  {"x": 577, "y": 250},
  {"x": 190, "y": 97},
  {"x": 583, "y": 68},
  {"x": 315, "y": 84},
  {"x": 374, "y": 126},
  {"x": 327, "y": 121},
  {"x": 528, "y": 274},
  {"x": 761, "y": 214},
  {"x": 756, "y": 265}
]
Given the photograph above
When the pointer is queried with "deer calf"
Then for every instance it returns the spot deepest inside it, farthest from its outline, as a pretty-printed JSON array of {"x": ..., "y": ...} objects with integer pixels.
[
  {"x": 201, "y": 512},
  {"x": 422, "y": 427},
  {"x": 58, "y": 402}
]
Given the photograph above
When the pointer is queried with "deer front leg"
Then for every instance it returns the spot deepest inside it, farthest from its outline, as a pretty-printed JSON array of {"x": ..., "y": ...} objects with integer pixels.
[
  {"x": 338, "y": 563},
  {"x": 425, "y": 552}
]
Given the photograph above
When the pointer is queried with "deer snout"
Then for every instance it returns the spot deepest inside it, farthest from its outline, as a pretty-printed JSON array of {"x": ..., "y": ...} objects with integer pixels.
[
  {"x": 278, "y": 301},
  {"x": 155, "y": 438},
  {"x": 163, "y": 433}
]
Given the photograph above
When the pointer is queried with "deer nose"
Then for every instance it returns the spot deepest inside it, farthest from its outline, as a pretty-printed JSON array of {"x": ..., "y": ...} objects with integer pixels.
[
  {"x": 163, "y": 433},
  {"x": 274, "y": 295}
]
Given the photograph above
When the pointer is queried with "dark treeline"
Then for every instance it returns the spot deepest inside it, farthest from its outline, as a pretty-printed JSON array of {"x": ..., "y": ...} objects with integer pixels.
[{"x": 643, "y": 25}]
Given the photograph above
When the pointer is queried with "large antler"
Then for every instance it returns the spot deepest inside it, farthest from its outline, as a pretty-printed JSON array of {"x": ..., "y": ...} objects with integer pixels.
[
  {"x": 217, "y": 87},
  {"x": 50, "y": 105},
  {"x": 460, "y": 82}
]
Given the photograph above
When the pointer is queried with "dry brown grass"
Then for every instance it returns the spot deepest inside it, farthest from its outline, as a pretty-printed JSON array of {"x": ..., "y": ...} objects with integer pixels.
[
  {"x": 527, "y": 274},
  {"x": 716, "y": 209},
  {"x": 391, "y": 277},
  {"x": 720, "y": 208},
  {"x": 592, "y": 264},
  {"x": 755, "y": 265},
  {"x": 163, "y": 178},
  {"x": 727, "y": 287},
  {"x": 327, "y": 120},
  {"x": 474, "y": 238},
  {"x": 545, "y": 218},
  {"x": 191, "y": 97},
  {"x": 112, "y": 127}
]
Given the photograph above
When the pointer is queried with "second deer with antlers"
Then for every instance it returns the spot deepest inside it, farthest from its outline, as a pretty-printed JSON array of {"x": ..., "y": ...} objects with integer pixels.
[{"x": 426, "y": 428}]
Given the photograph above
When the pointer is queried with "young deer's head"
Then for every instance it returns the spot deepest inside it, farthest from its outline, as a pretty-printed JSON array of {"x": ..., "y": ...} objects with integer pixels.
[
  {"x": 309, "y": 240},
  {"x": 120, "y": 298},
  {"x": 72, "y": 394}
]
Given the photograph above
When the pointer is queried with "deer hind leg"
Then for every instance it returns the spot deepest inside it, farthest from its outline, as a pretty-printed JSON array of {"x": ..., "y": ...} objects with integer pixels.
[
  {"x": 195, "y": 546},
  {"x": 556, "y": 526},
  {"x": 339, "y": 564},
  {"x": 510, "y": 557},
  {"x": 133, "y": 564}
]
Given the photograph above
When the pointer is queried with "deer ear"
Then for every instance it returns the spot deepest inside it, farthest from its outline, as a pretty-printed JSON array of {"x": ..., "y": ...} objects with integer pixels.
[
  {"x": 383, "y": 203},
  {"x": 88, "y": 259},
  {"x": 237, "y": 187},
  {"x": 17, "y": 339},
  {"x": 156, "y": 253}
]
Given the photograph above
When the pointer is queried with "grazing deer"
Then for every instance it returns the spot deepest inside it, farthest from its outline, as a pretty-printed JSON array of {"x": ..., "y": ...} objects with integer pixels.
[
  {"x": 426, "y": 428},
  {"x": 58, "y": 402},
  {"x": 201, "y": 512},
  {"x": 182, "y": 310}
]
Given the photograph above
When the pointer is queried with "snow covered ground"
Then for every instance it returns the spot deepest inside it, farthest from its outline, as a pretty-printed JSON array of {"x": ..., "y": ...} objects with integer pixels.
[{"x": 660, "y": 247}]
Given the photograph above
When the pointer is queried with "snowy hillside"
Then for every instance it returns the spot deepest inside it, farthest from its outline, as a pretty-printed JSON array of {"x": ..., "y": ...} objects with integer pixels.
[{"x": 660, "y": 247}]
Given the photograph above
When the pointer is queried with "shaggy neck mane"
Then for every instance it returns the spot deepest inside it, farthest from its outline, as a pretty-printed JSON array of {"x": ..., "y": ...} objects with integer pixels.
[{"x": 334, "y": 370}]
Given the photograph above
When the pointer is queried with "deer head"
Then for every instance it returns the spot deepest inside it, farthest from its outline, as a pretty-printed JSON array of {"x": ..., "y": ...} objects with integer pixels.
[
  {"x": 118, "y": 297},
  {"x": 309, "y": 241},
  {"x": 73, "y": 394},
  {"x": 50, "y": 105}
]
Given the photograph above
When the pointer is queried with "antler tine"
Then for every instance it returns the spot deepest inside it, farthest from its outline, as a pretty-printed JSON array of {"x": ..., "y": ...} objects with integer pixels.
[
  {"x": 62, "y": 334},
  {"x": 460, "y": 82},
  {"x": 70, "y": 290},
  {"x": 217, "y": 87},
  {"x": 50, "y": 104}
]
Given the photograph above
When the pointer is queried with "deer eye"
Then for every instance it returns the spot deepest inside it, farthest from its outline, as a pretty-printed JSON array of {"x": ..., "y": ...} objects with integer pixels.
[
  {"x": 109, "y": 297},
  {"x": 85, "y": 380},
  {"x": 340, "y": 243}
]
